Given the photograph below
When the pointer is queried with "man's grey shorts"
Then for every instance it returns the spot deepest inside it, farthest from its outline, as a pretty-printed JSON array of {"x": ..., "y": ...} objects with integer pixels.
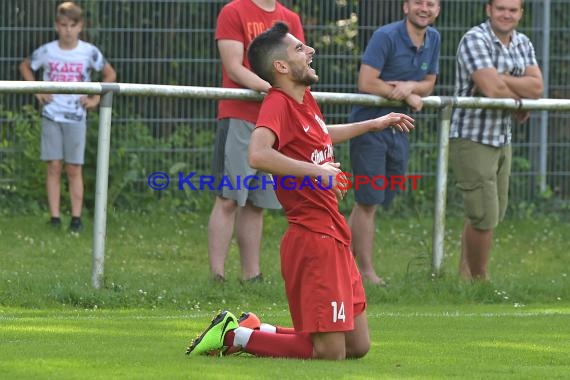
[
  {"x": 230, "y": 160},
  {"x": 63, "y": 141}
]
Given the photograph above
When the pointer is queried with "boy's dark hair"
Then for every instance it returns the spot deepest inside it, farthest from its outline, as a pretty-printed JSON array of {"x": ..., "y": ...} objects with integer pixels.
[
  {"x": 266, "y": 48},
  {"x": 70, "y": 10}
]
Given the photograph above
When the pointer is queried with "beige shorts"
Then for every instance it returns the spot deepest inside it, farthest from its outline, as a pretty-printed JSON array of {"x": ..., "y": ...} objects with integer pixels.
[{"x": 482, "y": 173}]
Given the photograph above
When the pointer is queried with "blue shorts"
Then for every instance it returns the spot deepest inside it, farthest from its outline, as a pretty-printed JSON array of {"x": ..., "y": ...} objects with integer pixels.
[{"x": 384, "y": 154}]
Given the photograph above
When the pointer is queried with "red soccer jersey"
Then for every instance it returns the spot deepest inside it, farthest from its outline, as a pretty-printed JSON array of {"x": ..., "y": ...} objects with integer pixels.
[
  {"x": 242, "y": 20},
  {"x": 302, "y": 135}
]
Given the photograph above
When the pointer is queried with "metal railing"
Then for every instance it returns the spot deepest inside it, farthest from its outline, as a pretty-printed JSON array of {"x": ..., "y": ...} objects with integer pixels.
[{"x": 444, "y": 103}]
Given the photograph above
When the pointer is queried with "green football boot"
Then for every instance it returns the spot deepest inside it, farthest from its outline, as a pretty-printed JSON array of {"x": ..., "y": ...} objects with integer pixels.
[{"x": 213, "y": 337}]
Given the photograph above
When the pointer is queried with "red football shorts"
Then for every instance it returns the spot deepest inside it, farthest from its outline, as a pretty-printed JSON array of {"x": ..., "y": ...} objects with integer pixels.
[{"x": 322, "y": 282}]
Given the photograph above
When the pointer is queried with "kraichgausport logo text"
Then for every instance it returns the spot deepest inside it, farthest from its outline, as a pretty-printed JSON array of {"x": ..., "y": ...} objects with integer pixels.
[{"x": 344, "y": 181}]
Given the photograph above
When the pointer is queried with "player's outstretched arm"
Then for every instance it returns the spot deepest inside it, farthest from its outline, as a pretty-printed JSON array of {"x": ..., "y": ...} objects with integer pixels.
[{"x": 342, "y": 132}]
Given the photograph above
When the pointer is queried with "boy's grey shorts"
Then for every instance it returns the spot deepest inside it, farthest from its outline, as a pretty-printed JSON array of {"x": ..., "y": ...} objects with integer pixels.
[
  {"x": 63, "y": 141},
  {"x": 230, "y": 160}
]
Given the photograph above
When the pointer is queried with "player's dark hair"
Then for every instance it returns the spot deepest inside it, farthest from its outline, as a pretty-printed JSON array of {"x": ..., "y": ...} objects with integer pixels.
[{"x": 266, "y": 48}]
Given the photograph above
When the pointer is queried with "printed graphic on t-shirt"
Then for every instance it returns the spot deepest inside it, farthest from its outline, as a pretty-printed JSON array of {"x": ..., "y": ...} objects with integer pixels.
[
  {"x": 65, "y": 71},
  {"x": 320, "y": 156},
  {"x": 322, "y": 124},
  {"x": 254, "y": 29}
]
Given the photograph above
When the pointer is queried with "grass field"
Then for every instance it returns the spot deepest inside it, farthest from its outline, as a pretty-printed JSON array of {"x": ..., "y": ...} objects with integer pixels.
[
  {"x": 157, "y": 296},
  {"x": 486, "y": 342}
]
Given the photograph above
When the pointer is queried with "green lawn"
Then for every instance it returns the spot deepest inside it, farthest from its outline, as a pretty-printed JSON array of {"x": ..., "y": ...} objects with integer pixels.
[
  {"x": 487, "y": 342},
  {"x": 158, "y": 295}
]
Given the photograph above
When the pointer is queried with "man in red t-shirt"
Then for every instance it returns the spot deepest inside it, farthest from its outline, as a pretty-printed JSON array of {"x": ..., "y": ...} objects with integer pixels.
[
  {"x": 323, "y": 285},
  {"x": 239, "y": 22}
]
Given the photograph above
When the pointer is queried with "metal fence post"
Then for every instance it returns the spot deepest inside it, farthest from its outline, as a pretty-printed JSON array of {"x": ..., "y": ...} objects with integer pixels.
[
  {"x": 441, "y": 190},
  {"x": 543, "y": 136},
  {"x": 100, "y": 219}
]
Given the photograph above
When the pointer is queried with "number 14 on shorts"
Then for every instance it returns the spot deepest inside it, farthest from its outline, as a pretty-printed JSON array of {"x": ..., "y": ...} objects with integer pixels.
[{"x": 338, "y": 312}]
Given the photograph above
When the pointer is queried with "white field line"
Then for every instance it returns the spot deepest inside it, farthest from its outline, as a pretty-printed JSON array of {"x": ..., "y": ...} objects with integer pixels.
[{"x": 102, "y": 315}]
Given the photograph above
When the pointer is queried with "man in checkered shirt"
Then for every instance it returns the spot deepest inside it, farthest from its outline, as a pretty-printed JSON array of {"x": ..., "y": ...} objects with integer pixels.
[{"x": 494, "y": 61}]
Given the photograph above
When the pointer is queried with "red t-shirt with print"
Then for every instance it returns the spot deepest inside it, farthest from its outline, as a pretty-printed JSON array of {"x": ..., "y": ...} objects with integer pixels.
[
  {"x": 301, "y": 134},
  {"x": 242, "y": 20}
]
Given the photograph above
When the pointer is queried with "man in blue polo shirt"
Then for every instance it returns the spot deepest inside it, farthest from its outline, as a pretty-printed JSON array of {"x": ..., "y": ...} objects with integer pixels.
[{"x": 399, "y": 63}]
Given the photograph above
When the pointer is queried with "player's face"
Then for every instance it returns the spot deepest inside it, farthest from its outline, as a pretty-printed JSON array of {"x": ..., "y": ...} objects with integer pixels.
[
  {"x": 504, "y": 15},
  {"x": 68, "y": 31},
  {"x": 421, "y": 13},
  {"x": 299, "y": 59}
]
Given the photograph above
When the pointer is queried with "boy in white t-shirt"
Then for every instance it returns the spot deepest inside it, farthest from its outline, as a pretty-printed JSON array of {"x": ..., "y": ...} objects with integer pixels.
[{"x": 68, "y": 59}]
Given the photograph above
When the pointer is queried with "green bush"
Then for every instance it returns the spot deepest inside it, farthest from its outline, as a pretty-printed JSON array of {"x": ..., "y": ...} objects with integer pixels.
[
  {"x": 21, "y": 140},
  {"x": 127, "y": 187}
]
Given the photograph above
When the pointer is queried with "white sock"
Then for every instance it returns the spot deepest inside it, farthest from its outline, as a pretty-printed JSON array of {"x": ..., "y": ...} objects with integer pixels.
[
  {"x": 241, "y": 336},
  {"x": 268, "y": 328}
]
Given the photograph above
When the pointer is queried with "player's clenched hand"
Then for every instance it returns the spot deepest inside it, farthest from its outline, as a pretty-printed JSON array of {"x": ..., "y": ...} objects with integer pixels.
[
  {"x": 400, "y": 121},
  {"x": 328, "y": 177},
  {"x": 341, "y": 190}
]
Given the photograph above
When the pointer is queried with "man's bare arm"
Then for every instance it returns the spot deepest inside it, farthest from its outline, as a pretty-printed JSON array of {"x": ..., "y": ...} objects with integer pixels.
[
  {"x": 490, "y": 84},
  {"x": 529, "y": 86},
  {"x": 232, "y": 55}
]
